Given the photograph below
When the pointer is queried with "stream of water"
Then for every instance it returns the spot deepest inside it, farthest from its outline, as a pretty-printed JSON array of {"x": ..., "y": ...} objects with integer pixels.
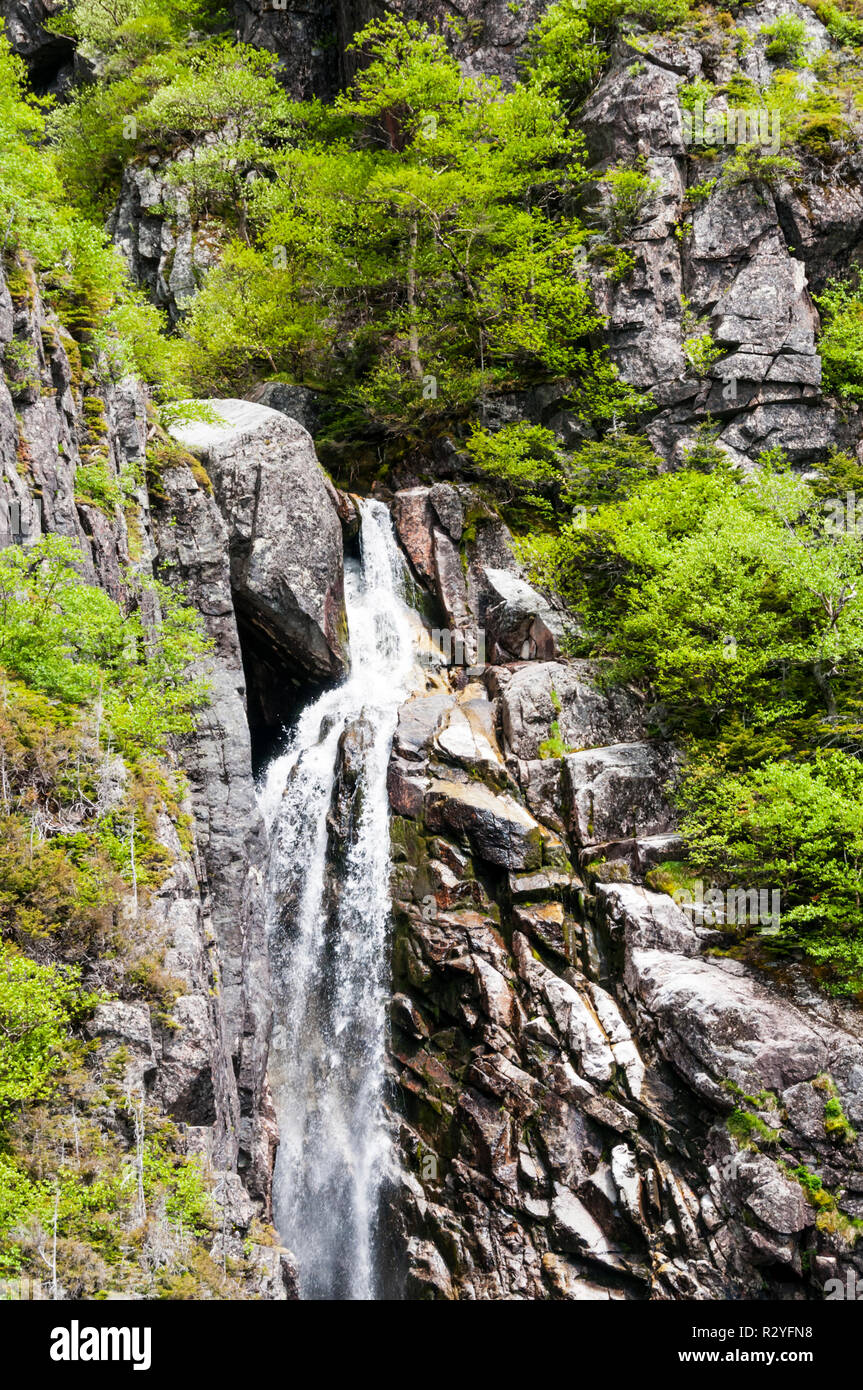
[{"x": 329, "y": 916}]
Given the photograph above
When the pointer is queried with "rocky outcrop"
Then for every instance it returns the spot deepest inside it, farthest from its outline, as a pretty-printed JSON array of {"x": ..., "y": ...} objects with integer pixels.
[
  {"x": 309, "y": 41},
  {"x": 536, "y": 694},
  {"x": 312, "y": 42},
  {"x": 204, "y": 1066},
  {"x": 298, "y": 402},
  {"x": 740, "y": 254},
  {"x": 193, "y": 553},
  {"x": 166, "y": 243},
  {"x": 520, "y": 624},
  {"x": 48, "y": 56},
  {"x": 284, "y": 534},
  {"x": 590, "y": 1105},
  {"x": 463, "y": 554}
]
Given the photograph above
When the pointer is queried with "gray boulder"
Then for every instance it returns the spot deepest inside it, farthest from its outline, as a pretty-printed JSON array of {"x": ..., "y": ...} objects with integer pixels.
[
  {"x": 534, "y": 696},
  {"x": 285, "y": 534},
  {"x": 716, "y": 1024},
  {"x": 618, "y": 791},
  {"x": 298, "y": 402},
  {"x": 519, "y": 623}
]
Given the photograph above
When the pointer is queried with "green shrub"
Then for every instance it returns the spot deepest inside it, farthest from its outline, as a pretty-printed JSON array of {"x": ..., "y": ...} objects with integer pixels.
[
  {"x": 749, "y": 1130},
  {"x": 701, "y": 351},
  {"x": 845, "y": 28},
  {"x": 630, "y": 189},
  {"x": 655, "y": 14},
  {"x": 841, "y": 342},
  {"x": 836, "y": 1122},
  {"x": 797, "y": 827},
  {"x": 37, "y": 1005},
  {"x": 749, "y": 164},
  {"x": 95, "y": 483},
  {"x": 554, "y": 746},
  {"x": 563, "y": 53},
  {"x": 525, "y": 458},
  {"x": 813, "y": 1186},
  {"x": 788, "y": 40},
  {"x": 22, "y": 367},
  {"x": 692, "y": 94},
  {"x": 84, "y": 277},
  {"x": 71, "y": 641}
]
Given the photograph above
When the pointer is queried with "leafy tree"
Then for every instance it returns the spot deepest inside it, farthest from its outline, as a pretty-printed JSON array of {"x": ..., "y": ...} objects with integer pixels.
[
  {"x": 119, "y": 35},
  {"x": 796, "y": 827},
  {"x": 749, "y": 164},
  {"x": 563, "y": 53},
  {"x": 70, "y": 640},
  {"x": 845, "y": 28},
  {"x": 412, "y": 249},
  {"x": 532, "y": 466},
  {"x": 37, "y": 1004},
  {"x": 841, "y": 343},
  {"x": 569, "y": 46},
  {"x": 84, "y": 278},
  {"x": 525, "y": 459},
  {"x": 710, "y": 586}
]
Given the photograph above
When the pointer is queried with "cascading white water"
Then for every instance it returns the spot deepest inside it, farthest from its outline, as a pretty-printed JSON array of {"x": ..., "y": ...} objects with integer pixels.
[{"x": 329, "y": 947}]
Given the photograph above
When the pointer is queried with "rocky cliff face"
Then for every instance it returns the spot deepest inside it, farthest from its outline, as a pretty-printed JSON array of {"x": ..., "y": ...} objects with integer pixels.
[
  {"x": 206, "y": 1068},
  {"x": 743, "y": 260},
  {"x": 592, "y": 1103},
  {"x": 312, "y": 43},
  {"x": 49, "y": 57},
  {"x": 591, "y": 1100}
]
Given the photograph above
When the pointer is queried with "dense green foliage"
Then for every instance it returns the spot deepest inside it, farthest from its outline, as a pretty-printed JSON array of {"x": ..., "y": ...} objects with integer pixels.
[
  {"x": 795, "y": 826},
  {"x": 787, "y": 40},
  {"x": 412, "y": 249},
  {"x": 37, "y": 1004},
  {"x": 527, "y": 465},
  {"x": 408, "y": 249},
  {"x": 72, "y": 641},
  {"x": 735, "y": 602},
  {"x": 83, "y": 277},
  {"x": 80, "y": 831},
  {"x": 841, "y": 344}
]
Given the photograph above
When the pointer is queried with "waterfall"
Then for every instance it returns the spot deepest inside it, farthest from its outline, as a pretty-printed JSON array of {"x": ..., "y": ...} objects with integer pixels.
[{"x": 325, "y": 803}]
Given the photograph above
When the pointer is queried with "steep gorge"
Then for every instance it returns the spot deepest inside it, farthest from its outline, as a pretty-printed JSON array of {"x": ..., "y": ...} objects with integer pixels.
[{"x": 564, "y": 1047}]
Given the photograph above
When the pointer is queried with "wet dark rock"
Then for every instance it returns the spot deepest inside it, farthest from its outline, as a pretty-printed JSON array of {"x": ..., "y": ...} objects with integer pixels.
[{"x": 499, "y": 829}]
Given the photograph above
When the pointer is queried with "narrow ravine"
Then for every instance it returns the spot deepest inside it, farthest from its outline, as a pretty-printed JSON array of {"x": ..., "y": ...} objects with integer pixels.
[{"x": 325, "y": 803}]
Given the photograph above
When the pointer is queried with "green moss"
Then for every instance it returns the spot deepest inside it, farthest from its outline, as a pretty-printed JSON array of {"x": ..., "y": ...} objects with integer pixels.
[
  {"x": 555, "y": 746},
  {"x": 21, "y": 283},
  {"x": 836, "y": 1123},
  {"x": 764, "y": 1099},
  {"x": 749, "y": 1130},
  {"x": 21, "y": 365},
  {"x": 831, "y": 1218},
  {"x": 73, "y": 353}
]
